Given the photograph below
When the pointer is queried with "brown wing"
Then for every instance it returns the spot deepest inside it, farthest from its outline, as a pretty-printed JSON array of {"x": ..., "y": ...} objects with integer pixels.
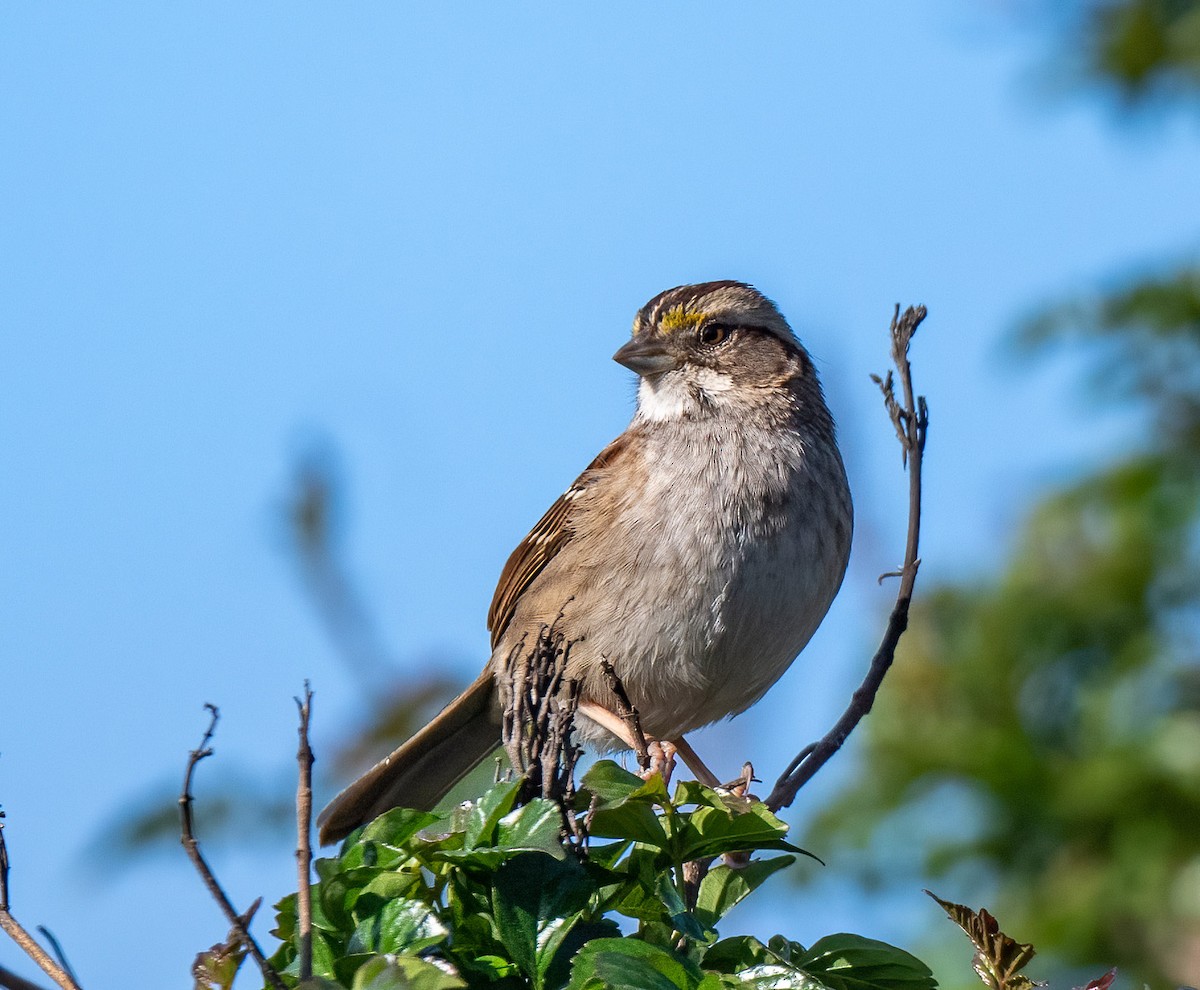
[{"x": 551, "y": 534}]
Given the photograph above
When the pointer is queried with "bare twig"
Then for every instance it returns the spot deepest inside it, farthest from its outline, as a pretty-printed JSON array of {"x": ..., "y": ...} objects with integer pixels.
[
  {"x": 627, "y": 711},
  {"x": 911, "y": 421},
  {"x": 24, "y": 940},
  {"x": 539, "y": 703},
  {"x": 192, "y": 846},
  {"x": 304, "y": 757}
]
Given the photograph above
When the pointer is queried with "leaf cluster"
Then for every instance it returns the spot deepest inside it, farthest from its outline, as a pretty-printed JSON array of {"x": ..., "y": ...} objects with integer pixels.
[{"x": 489, "y": 897}]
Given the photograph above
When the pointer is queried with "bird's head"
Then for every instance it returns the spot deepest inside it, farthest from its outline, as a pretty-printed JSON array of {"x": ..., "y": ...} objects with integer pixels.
[{"x": 698, "y": 348}]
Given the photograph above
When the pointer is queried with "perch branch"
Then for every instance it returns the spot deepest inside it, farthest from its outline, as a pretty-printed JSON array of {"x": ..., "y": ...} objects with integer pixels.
[
  {"x": 192, "y": 846},
  {"x": 911, "y": 421},
  {"x": 27, "y": 943}
]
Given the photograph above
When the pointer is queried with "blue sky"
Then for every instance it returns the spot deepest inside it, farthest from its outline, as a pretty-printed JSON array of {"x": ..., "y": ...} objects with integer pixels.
[{"x": 230, "y": 231}]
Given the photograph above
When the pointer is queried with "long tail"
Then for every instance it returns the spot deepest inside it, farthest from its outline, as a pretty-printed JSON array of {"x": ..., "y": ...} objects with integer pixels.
[{"x": 422, "y": 771}]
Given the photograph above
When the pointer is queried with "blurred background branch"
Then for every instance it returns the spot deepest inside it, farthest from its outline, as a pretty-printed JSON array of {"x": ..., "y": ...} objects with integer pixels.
[{"x": 397, "y": 699}]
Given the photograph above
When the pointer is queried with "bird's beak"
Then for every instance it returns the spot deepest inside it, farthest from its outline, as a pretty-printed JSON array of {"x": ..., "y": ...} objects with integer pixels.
[{"x": 646, "y": 356}]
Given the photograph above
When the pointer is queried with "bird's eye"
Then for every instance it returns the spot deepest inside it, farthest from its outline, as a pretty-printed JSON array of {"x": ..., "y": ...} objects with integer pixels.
[{"x": 713, "y": 333}]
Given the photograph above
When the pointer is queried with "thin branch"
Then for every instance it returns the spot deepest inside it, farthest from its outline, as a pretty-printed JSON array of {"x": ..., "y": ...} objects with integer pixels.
[
  {"x": 192, "y": 846},
  {"x": 911, "y": 422},
  {"x": 24, "y": 940},
  {"x": 304, "y": 757}
]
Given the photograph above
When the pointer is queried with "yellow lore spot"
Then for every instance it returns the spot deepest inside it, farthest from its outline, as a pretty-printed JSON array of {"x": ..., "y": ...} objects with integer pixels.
[{"x": 678, "y": 318}]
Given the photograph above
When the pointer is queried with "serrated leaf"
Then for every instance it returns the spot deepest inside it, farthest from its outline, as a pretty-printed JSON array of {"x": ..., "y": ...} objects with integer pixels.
[
  {"x": 399, "y": 926},
  {"x": 285, "y": 918},
  {"x": 998, "y": 958},
  {"x": 852, "y": 962},
  {"x": 723, "y": 888},
  {"x": 628, "y": 964},
  {"x": 537, "y": 900},
  {"x": 404, "y": 973}
]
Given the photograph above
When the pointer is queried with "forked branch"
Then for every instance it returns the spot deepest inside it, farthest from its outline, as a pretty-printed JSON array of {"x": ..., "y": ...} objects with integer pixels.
[
  {"x": 910, "y": 417},
  {"x": 239, "y": 923}
]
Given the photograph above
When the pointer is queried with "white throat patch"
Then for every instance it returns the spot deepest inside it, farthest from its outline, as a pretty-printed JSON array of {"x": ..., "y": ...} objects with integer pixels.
[{"x": 674, "y": 394}]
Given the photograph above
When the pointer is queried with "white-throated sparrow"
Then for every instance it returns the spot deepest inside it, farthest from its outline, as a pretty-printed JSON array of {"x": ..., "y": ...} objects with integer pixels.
[{"x": 698, "y": 552}]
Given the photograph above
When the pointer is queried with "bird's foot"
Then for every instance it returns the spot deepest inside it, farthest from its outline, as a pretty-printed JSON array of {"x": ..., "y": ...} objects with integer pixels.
[{"x": 662, "y": 761}]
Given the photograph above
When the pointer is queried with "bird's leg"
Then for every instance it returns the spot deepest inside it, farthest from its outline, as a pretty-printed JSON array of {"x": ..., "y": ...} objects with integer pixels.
[{"x": 661, "y": 753}]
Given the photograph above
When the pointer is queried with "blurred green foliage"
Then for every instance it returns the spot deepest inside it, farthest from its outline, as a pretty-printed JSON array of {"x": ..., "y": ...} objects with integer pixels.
[
  {"x": 1142, "y": 47},
  {"x": 1038, "y": 741}
]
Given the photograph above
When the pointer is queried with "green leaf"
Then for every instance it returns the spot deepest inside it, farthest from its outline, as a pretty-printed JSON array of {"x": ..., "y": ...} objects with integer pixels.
[
  {"x": 338, "y": 893},
  {"x": 627, "y": 964},
  {"x": 708, "y": 832},
  {"x": 285, "y": 918},
  {"x": 682, "y": 919},
  {"x": 730, "y": 955},
  {"x": 612, "y": 784},
  {"x": 626, "y": 804},
  {"x": 495, "y": 967},
  {"x": 536, "y": 827},
  {"x": 692, "y": 792},
  {"x": 719, "y": 981},
  {"x": 537, "y": 900},
  {"x": 723, "y": 887},
  {"x": 387, "y": 841},
  {"x": 852, "y": 962},
  {"x": 324, "y": 954},
  {"x": 634, "y": 820},
  {"x": 386, "y": 887},
  {"x": 394, "y": 828},
  {"x": 404, "y": 973},
  {"x": 485, "y": 814},
  {"x": 785, "y": 949},
  {"x": 400, "y": 926}
]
